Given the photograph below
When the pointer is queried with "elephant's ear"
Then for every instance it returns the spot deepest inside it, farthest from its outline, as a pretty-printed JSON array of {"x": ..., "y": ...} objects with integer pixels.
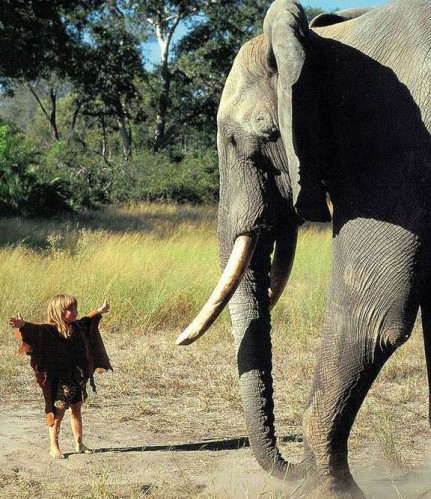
[
  {"x": 337, "y": 17},
  {"x": 286, "y": 29}
]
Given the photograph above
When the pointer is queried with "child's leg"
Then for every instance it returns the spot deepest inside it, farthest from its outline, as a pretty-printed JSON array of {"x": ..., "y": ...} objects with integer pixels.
[
  {"x": 54, "y": 432},
  {"x": 76, "y": 423}
]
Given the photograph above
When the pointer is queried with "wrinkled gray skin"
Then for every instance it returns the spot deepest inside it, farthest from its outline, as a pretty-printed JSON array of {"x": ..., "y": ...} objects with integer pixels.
[{"x": 343, "y": 109}]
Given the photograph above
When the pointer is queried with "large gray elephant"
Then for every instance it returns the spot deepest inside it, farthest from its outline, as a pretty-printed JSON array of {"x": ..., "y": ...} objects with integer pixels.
[{"x": 341, "y": 108}]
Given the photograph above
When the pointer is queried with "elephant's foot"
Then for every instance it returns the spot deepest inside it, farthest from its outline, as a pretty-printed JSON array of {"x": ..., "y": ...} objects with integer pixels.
[{"x": 322, "y": 486}]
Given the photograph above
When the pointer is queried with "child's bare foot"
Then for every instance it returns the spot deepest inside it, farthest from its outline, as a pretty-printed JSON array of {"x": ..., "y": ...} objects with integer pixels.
[
  {"x": 56, "y": 454},
  {"x": 82, "y": 449}
]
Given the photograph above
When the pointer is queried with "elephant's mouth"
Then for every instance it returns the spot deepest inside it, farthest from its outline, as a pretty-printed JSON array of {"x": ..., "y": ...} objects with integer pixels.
[{"x": 238, "y": 262}]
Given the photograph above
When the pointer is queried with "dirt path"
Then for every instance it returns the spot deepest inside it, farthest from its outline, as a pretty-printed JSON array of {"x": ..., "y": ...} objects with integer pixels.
[
  {"x": 125, "y": 459},
  {"x": 129, "y": 462}
]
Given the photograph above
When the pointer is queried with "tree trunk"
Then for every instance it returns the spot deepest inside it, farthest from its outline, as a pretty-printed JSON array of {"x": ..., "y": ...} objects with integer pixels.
[
  {"x": 52, "y": 117},
  {"x": 159, "y": 135},
  {"x": 126, "y": 137},
  {"x": 164, "y": 38},
  {"x": 124, "y": 129}
]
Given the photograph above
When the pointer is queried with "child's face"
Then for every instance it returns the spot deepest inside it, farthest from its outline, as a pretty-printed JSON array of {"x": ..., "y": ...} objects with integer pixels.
[{"x": 71, "y": 313}]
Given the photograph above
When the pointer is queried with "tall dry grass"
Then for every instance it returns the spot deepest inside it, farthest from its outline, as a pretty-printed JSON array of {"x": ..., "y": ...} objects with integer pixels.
[
  {"x": 157, "y": 265},
  {"x": 152, "y": 262}
]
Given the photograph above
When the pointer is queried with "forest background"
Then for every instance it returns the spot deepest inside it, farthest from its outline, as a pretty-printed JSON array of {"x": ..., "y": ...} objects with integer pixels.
[{"x": 89, "y": 117}]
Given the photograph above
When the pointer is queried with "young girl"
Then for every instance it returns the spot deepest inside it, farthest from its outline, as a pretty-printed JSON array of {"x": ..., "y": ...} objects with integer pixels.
[{"x": 64, "y": 355}]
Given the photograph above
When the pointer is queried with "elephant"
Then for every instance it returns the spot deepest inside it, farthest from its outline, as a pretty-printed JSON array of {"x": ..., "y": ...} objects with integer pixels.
[{"x": 333, "y": 113}]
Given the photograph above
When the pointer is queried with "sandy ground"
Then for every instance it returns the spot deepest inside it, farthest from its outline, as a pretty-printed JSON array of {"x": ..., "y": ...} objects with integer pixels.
[
  {"x": 129, "y": 462},
  {"x": 125, "y": 457}
]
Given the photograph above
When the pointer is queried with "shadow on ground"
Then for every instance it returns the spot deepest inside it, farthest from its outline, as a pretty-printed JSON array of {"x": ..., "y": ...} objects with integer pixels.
[{"x": 204, "y": 445}]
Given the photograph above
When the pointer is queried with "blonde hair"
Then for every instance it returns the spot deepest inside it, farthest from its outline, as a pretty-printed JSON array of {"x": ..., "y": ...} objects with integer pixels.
[{"x": 57, "y": 305}]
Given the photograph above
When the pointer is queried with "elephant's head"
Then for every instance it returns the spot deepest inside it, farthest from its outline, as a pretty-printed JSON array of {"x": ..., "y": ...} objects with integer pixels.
[
  {"x": 269, "y": 183},
  {"x": 267, "y": 146}
]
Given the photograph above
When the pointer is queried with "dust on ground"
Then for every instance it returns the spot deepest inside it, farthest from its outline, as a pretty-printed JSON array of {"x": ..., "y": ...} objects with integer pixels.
[{"x": 130, "y": 462}]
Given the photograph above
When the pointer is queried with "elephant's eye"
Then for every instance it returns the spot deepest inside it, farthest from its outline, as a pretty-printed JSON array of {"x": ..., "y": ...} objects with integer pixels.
[
  {"x": 274, "y": 136},
  {"x": 264, "y": 127},
  {"x": 233, "y": 141},
  {"x": 271, "y": 136}
]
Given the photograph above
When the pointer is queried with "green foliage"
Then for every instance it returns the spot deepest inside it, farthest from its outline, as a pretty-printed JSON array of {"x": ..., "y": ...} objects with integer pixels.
[
  {"x": 40, "y": 36},
  {"x": 105, "y": 82},
  {"x": 92, "y": 112},
  {"x": 21, "y": 191},
  {"x": 153, "y": 176},
  {"x": 68, "y": 176},
  {"x": 85, "y": 172},
  {"x": 312, "y": 12}
]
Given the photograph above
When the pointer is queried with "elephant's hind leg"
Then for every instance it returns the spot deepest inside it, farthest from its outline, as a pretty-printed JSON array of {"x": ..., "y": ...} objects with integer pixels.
[{"x": 372, "y": 305}]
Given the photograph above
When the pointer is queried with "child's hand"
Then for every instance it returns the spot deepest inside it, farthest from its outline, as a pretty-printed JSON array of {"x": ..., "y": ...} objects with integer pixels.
[
  {"x": 104, "y": 308},
  {"x": 16, "y": 322}
]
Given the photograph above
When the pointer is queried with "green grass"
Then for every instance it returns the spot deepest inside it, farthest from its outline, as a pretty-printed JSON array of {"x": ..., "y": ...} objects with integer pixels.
[{"x": 302, "y": 305}]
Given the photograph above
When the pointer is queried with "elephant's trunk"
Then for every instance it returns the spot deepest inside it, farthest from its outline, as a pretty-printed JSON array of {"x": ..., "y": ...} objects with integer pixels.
[
  {"x": 252, "y": 285},
  {"x": 282, "y": 262},
  {"x": 254, "y": 364},
  {"x": 249, "y": 309}
]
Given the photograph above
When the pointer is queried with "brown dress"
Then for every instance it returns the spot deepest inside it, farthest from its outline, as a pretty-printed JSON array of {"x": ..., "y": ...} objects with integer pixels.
[{"x": 63, "y": 366}]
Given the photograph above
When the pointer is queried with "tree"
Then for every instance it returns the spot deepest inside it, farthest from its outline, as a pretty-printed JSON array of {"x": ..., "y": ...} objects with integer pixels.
[
  {"x": 312, "y": 12},
  {"x": 40, "y": 40},
  {"x": 95, "y": 50},
  {"x": 39, "y": 37},
  {"x": 19, "y": 110},
  {"x": 105, "y": 80},
  {"x": 97, "y": 58},
  {"x": 162, "y": 18}
]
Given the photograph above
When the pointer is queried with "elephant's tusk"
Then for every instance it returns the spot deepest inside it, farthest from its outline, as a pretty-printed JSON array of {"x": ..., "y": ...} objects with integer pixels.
[
  {"x": 237, "y": 264},
  {"x": 282, "y": 262}
]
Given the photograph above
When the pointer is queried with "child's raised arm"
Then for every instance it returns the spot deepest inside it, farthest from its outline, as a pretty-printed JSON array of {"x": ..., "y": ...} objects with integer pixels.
[
  {"x": 105, "y": 307},
  {"x": 17, "y": 322}
]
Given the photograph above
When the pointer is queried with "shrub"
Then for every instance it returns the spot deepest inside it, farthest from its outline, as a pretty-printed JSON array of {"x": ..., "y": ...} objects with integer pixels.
[
  {"x": 85, "y": 171},
  {"x": 155, "y": 177},
  {"x": 68, "y": 177},
  {"x": 21, "y": 191}
]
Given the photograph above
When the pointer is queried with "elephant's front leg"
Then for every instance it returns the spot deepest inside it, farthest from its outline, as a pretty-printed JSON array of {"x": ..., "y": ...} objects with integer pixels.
[{"x": 372, "y": 305}]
